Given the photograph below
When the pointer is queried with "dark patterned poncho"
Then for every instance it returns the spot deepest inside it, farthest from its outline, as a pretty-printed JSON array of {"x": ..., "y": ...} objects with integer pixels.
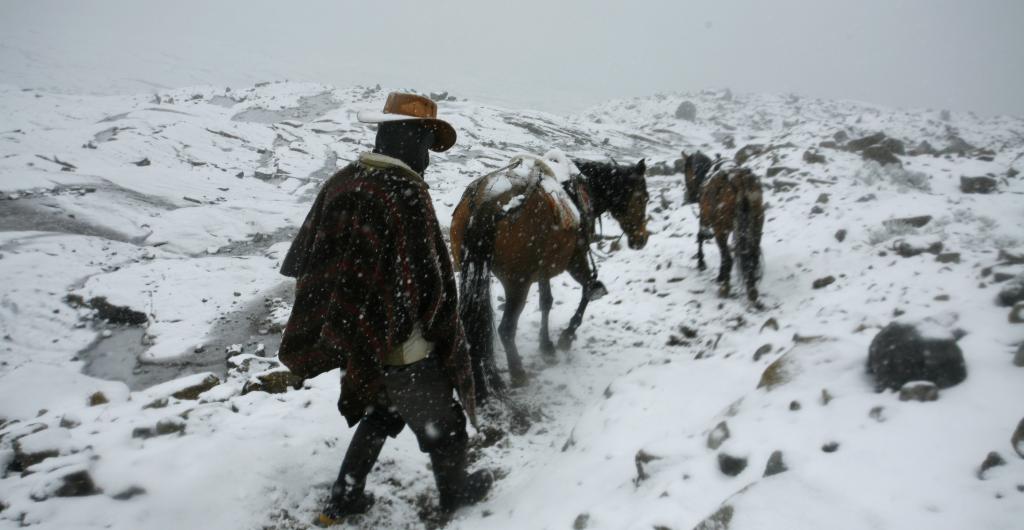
[{"x": 370, "y": 263}]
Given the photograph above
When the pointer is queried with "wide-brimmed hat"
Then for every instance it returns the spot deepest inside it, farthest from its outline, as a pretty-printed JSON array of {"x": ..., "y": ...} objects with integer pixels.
[{"x": 401, "y": 106}]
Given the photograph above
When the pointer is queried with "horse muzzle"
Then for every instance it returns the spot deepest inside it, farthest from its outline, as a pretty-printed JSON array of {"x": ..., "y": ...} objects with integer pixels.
[{"x": 637, "y": 242}]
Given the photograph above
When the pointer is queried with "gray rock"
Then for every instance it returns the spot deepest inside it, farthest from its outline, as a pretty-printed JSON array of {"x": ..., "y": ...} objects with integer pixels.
[
  {"x": 948, "y": 257},
  {"x": 907, "y": 250},
  {"x": 686, "y": 110},
  {"x": 823, "y": 282},
  {"x": 765, "y": 349},
  {"x": 864, "y": 142},
  {"x": 830, "y": 447},
  {"x": 812, "y": 156},
  {"x": 775, "y": 464},
  {"x": 992, "y": 460},
  {"x": 581, "y": 521},
  {"x": 977, "y": 184},
  {"x": 718, "y": 435},
  {"x": 1017, "y": 313},
  {"x": 877, "y": 413},
  {"x": 1017, "y": 440},
  {"x": 841, "y": 235},
  {"x": 731, "y": 465},
  {"x": 916, "y": 221},
  {"x": 77, "y": 484},
  {"x": 880, "y": 154},
  {"x": 1012, "y": 293},
  {"x": 919, "y": 391},
  {"x": 894, "y": 146},
  {"x": 24, "y": 459},
  {"x": 1018, "y": 358},
  {"x": 276, "y": 382},
  {"x": 770, "y": 172},
  {"x": 720, "y": 520},
  {"x": 900, "y": 354},
  {"x": 748, "y": 151},
  {"x": 922, "y": 149},
  {"x": 840, "y": 136},
  {"x": 132, "y": 491},
  {"x": 192, "y": 392}
]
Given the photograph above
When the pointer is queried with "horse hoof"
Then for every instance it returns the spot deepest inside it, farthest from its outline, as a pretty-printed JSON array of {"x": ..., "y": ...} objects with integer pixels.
[
  {"x": 701, "y": 266},
  {"x": 723, "y": 291},
  {"x": 565, "y": 342},
  {"x": 547, "y": 351}
]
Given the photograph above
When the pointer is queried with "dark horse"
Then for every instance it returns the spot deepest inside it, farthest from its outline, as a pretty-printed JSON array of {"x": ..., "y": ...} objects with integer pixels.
[
  {"x": 730, "y": 201},
  {"x": 525, "y": 232}
]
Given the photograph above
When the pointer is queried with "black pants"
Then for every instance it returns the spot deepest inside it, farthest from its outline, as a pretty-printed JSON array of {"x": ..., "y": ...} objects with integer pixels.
[{"x": 418, "y": 395}]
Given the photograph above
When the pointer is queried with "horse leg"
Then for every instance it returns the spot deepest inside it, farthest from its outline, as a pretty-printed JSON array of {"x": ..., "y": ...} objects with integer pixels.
[
  {"x": 725, "y": 271},
  {"x": 515, "y": 300},
  {"x": 547, "y": 348},
  {"x": 700, "y": 248},
  {"x": 579, "y": 269}
]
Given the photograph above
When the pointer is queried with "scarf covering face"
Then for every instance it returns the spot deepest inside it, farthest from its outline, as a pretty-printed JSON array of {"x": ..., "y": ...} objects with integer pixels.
[{"x": 370, "y": 264}]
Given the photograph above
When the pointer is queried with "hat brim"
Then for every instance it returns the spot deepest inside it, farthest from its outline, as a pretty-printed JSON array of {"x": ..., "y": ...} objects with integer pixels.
[{"x": 444, "y": 133}]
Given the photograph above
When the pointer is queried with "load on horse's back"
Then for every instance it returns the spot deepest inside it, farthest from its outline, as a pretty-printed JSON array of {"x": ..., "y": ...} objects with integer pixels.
[{"x": 527, "y": 223}]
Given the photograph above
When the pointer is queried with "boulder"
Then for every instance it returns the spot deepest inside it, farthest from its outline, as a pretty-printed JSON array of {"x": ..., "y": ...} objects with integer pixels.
[
  {"x": 731, "y": 465},
  {"x": 812, "y": 156},
  {"x": 993, "y": 459},
  {"x": 917, "y": 221},
  {"x": 840, "y": 136},
  {"x": 1017, "y": 313},
  {"x": 903, "y": 352},
  {"x": 823, "y": 282},
  {"x": 894, "y": 146},
  {"x": 1012, "y": 293},
  {"x": 841, "y": 235},
  {"x": 775, "y": 464},
  {"x": 748, "y": 151},
  {"x": 192, "y": 391},
  {"x": 275, "y": 382},
  {"x": 864, "y": 142},
  {"x": 718, "y": 435},
  {"x": 1018, "y": 358},
  {"x": 977, "y": 184},
  {"x": 880, "y": 154},
  {"x": 720, "y": 520},
  {"x": 77, "y": 484},
  {"x": 948, "y": 257},
  {"x": 919, "y": 391},
  {"x": 686, "y": 110},
  {"x": 922, "y": 149}
]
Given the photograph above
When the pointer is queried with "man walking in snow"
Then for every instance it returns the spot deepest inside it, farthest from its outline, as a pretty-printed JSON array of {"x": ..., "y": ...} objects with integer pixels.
[{"x": 376, "y": 295}]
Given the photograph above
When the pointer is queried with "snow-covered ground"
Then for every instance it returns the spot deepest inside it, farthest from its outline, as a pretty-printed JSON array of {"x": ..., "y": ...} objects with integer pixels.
[{"x": 180, "y": 205}]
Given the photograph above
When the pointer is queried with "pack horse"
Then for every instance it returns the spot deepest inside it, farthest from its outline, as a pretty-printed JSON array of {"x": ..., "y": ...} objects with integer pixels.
[{"x": 526, "y": 224}]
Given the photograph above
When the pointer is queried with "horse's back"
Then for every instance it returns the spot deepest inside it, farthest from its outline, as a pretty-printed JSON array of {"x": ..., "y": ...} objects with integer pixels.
[{"x": 536, "y": 231}]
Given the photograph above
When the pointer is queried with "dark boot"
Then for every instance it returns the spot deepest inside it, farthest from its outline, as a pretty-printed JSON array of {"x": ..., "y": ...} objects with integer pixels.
[
  {"x": 347, "y": 495},
  {"x": 455, "y": 487}
]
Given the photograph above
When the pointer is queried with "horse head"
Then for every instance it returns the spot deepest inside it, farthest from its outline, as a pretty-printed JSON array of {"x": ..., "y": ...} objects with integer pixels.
[{"x": 629, "y": 205}]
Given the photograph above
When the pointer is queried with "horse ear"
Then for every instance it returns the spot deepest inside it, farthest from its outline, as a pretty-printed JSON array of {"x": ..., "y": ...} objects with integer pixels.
[{"x": 641, "y": 166}]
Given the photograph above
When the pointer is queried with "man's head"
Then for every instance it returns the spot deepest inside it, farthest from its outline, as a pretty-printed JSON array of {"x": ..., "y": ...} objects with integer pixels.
[
  {"x": 408, "y": 127},
  {"x": 408, "y": 140}
]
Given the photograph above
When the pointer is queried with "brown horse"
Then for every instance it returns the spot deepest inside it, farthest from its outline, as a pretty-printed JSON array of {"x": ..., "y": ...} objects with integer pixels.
[
  {"x": 731, "y": 201},
  {"x": 524, "y": 226}
]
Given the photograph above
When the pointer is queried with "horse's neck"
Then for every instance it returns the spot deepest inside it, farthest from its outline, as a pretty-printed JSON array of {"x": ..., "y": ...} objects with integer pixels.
[{"x": 600, "y": 188}]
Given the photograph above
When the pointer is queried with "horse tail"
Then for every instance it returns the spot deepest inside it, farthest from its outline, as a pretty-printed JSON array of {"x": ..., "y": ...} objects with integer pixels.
[
  {"x": 475, "y": 286},
  {"x": 749, "y": 224}
]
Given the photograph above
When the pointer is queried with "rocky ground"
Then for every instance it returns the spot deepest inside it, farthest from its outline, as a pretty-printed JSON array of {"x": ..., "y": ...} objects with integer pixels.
[{"x": 140, "y": 238}]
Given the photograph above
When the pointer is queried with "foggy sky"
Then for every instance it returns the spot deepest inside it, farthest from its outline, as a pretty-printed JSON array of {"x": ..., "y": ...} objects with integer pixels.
[{"x": 558, "y": 56}]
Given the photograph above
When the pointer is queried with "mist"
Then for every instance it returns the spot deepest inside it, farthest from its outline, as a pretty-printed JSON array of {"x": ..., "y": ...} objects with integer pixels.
[{"x": 561, "y": 57}]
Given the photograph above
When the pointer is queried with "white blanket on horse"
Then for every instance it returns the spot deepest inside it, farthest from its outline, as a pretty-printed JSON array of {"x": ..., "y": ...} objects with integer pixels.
[{"x": 528, "y": 173}]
